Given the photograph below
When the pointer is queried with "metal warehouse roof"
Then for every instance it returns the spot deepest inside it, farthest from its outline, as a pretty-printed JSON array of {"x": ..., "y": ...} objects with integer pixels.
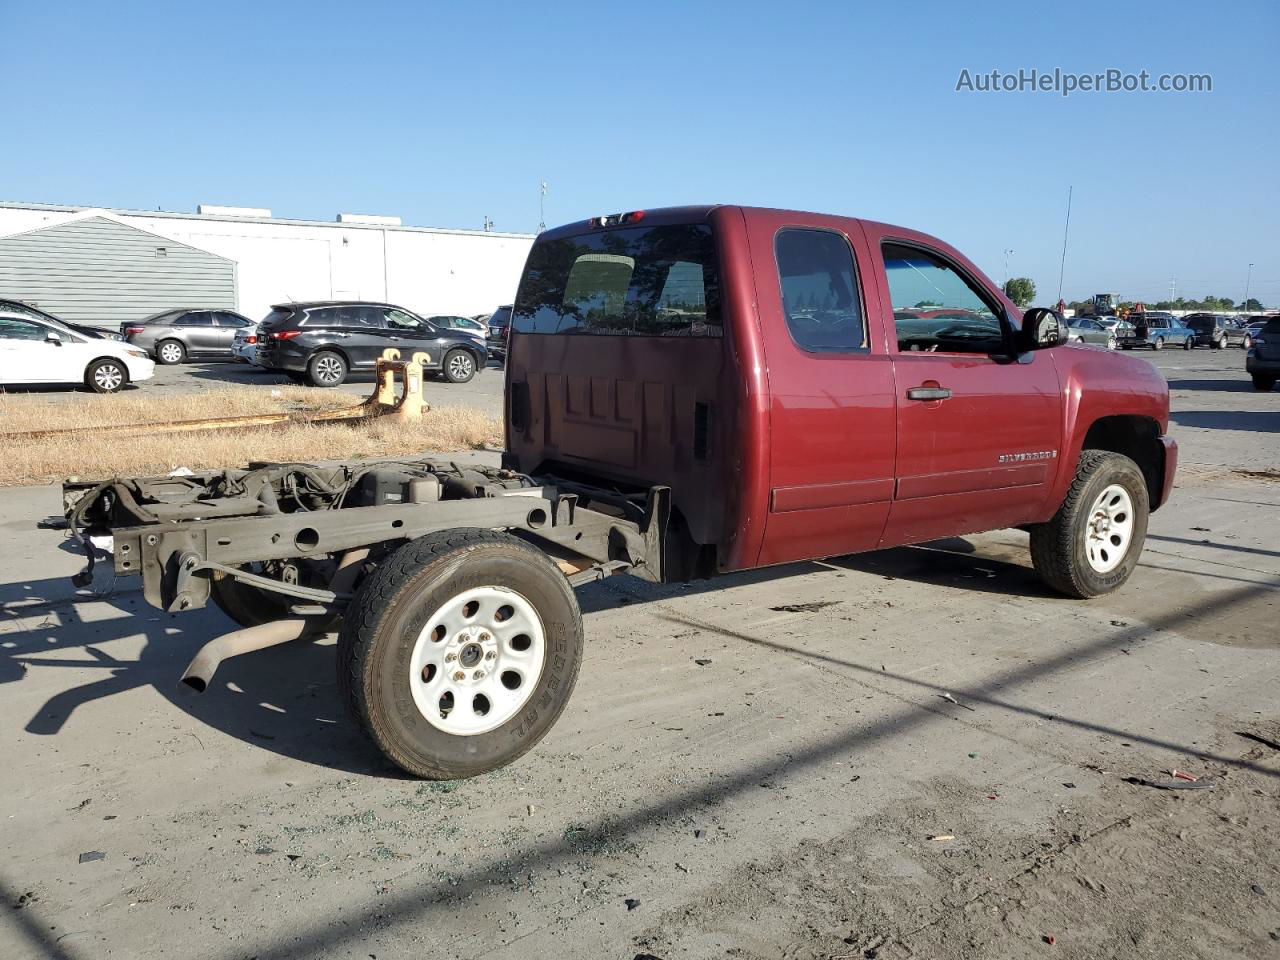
[{"x": 276, "y": 221}]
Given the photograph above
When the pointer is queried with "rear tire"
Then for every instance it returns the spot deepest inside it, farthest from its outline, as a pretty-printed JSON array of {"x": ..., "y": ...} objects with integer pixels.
[
  {"x": 1157, "y": 343},
  {"x": 427, "y": 717},
  {"x": 1263, "y": 383},
  {"x": 326, "y": 369},
  {"x": 1186, "y": 344},
  {"x": 1247, "y": 342},
  {"x": 106, "y": 376},
  {"x": 1092, "y": 544},
  {"x": 169, "y": 352}
]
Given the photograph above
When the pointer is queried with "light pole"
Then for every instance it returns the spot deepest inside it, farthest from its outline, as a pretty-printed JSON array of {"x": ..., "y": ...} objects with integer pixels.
[
  {"x": 1006, "y": 267},
  {"x": 1248, "y": 278}
]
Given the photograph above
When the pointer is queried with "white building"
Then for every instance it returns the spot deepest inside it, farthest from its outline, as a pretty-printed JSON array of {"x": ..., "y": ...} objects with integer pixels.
[{"x": 101, "y": 266}]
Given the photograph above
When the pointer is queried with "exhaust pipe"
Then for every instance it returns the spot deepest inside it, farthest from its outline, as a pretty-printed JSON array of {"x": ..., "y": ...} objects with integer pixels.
[{"x": 201, "y": 669}]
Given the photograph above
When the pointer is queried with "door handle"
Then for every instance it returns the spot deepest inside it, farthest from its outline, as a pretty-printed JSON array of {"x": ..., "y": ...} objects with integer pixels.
[{"x": 928, "y": 393}]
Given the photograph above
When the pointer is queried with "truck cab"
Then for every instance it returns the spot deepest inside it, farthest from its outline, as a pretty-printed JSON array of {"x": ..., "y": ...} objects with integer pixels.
[{"x": 806, "y": 385}]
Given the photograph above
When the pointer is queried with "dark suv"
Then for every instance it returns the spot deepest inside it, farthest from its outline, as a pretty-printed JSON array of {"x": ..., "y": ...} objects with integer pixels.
[
  {"x": 1262, "y": 362},
  {"x": 321, "y": 343},
  {"x": 1217, "y": 330},
  {"x": 498, "y": 332}
]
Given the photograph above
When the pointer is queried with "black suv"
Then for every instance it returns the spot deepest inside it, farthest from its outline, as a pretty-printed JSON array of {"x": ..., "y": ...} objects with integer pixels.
[
  {"x": 1262, "y": 362},
  {"x": 499, "y": 332},
  {"x": 321, "y": 343},
  {"x": 1216, "y": 330}
]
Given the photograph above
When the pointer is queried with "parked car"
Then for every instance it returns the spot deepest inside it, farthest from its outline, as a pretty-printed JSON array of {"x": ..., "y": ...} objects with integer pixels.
[
  {"x": 26, "y": 309},
  {"x": 1216, "y": 330},
  {"x": 1154, "y": 330},
  {"x": 1262, "y": 361},
  {"x": 1085, "y": 330},
  {"x": 244, "y": 345},
  {"x": 499, "y": 331},
  {"x": 175, "y": 336},
  {"x": 690, "y": 392},
  {"x": 450, "y": 322},
  {"x": 321, "y": 343},
  {"x": 36, "y": 351}
]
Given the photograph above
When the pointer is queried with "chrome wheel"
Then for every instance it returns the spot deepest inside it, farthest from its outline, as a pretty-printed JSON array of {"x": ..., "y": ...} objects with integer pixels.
[
  {"x": 108, "y": 377},
  {"x": 477, "y": 661},
  {"x": 1111, "y": 343},
  {"x": 328, "y": 370},
  {"x": 1109, "y": 529}
]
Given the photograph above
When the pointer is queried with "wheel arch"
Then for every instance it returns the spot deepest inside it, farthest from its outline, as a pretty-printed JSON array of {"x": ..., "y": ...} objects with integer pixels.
[{"x": 1136, "y": 437}]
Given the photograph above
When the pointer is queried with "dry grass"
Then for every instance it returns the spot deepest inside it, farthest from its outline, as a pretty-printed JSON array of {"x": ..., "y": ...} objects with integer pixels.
[{"x": 89, "y": 456}]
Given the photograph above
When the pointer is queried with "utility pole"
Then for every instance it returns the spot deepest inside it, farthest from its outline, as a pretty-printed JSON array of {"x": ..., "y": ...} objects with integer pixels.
[
  {"x": 1006, "y": 267},
  {"x": 1248, "y": 279},
  {"x": 542, "y": 205},
  {"x": 1173, "y": 289},
  {"x": 1065, "y": 228}
]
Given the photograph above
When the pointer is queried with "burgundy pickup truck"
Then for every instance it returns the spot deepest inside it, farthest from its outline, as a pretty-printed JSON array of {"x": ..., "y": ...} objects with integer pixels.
[{"x": 690, "y": 392}]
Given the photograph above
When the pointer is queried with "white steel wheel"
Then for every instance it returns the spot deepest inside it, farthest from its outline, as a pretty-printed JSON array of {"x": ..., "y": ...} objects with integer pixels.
[
  {"x": 1109, "y": 529},
  {"x": 477, "y": 661}
]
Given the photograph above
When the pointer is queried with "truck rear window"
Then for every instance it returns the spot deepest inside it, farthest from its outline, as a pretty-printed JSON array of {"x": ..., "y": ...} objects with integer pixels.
[{"x": 642, "y": 281}]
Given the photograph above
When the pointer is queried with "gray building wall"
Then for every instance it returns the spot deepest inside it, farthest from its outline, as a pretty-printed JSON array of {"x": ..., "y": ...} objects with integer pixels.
[{"x": 102, "y": 272}]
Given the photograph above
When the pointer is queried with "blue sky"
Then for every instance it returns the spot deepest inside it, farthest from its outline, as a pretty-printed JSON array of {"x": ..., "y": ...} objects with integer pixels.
[{"x": 447, "y": 113}]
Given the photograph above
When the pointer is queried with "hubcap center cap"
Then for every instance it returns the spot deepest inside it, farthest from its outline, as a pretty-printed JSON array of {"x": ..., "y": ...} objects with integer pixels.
[{"x": 470, "y": 655}]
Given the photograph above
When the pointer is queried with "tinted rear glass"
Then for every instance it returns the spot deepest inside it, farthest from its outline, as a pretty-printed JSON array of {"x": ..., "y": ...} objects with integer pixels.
[
  {"x": 1199, "y": 323},
  {"x": 642, "y": 281},
  {"x": 277, "y": 318}
]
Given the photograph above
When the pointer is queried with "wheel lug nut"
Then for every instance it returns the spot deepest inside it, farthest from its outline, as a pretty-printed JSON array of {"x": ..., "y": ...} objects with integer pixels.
[
  {"x": 459, "y": 675},
  {"x": 478, "y": 675},
  {"x": 490, "y": 655},
  {"x": 485, "y": 638},
  {"x": 450, "y": 657}
]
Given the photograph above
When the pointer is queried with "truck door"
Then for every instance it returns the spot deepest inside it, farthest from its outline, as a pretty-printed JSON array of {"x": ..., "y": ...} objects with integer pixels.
[
  {"x": 831, "y": 412},
  {"x": 979, "y": 430}
]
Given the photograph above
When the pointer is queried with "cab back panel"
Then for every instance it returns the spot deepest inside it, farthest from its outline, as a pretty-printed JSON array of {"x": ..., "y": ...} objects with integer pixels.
[{"x": 639, "y": 411}]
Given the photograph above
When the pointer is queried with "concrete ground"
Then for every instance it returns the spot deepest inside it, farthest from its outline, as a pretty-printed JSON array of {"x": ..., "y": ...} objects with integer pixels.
[{"x": 913, "y": 753}]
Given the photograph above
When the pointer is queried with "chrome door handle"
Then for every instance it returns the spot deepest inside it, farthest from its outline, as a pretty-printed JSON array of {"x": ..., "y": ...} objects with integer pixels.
[{"x": 928, "y": 393}]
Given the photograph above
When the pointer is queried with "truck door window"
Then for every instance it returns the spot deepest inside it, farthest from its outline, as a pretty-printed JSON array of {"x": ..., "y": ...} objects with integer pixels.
[
  {"x": 935, "y": 308},
  {"x": 820, "y": 291},
  {"x": 649, "y": 281}
]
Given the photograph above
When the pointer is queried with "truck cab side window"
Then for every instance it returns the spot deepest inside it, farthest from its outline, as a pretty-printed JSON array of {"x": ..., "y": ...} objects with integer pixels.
[
  {"x": 935, "y": 308},
  {"x": 820, "y": 291}
]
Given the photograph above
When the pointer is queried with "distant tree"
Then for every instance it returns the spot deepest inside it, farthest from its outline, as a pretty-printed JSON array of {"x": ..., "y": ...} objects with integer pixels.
[
  {"x": 1253, "y": 305},
  {"x": 1021, "y": 290}
]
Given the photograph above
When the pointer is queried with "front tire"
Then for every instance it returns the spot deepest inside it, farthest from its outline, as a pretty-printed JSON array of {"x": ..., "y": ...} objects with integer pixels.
[
  {"x": 327, "y": 369},
  {"x": 1111, "y": 343},
  {"x": 1092, "y": 544},
  {"x": 460, "y": 651},
  {"x": 1247, "y": 342},
  {"x": 1263, "y": 383},
  {"x": 106, "y": 376},
  {"x": 169, "y": 352},
  {"x": 459, "y": 366}
]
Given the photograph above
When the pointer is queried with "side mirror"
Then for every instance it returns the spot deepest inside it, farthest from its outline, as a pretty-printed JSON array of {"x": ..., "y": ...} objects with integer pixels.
[
  {"x": 1042, "y": 328},
  {"x": 54, "y": 338}
]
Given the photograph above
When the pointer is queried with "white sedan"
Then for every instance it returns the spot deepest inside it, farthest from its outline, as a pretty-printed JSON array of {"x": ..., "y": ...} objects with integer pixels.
[{"x": 33, "y": 352}]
